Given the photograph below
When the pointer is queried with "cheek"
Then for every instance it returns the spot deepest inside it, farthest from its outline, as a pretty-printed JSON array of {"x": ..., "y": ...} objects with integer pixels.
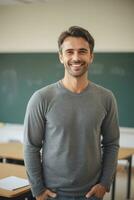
[{"x": 66, "y": 60}]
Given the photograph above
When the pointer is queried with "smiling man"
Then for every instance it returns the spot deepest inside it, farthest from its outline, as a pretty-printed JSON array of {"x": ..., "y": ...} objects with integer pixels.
[{"x": 75, "y": 123}]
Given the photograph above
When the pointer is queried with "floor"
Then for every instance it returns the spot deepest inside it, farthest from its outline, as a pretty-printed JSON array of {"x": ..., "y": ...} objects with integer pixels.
[{"x": 121, "y": 185}]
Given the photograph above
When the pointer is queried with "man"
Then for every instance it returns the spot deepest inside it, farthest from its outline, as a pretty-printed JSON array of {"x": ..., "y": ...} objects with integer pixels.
[{"x": 74, "y": 124}]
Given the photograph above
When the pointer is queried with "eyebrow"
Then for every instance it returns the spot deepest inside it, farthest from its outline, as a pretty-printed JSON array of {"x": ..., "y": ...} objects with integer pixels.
[{"x": 81, "y": 49}]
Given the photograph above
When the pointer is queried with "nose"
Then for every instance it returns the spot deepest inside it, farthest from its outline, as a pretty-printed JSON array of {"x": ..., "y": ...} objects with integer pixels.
[{"x": 76, "y": 56}]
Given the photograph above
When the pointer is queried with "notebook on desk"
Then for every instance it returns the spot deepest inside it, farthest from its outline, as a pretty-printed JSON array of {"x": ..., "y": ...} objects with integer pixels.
[{"x": 13, "y": 183}]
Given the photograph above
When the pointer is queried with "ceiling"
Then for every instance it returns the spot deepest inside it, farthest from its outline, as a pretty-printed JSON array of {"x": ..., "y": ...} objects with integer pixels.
[{"x": 20, "y": 2}]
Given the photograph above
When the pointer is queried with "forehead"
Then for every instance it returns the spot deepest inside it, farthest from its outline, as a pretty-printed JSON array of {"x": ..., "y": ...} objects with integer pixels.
[{"x": 75, "y": 43}]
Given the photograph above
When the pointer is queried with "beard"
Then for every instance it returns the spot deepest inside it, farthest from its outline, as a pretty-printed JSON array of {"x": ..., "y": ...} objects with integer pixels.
[{"x": 76, "y": 69}]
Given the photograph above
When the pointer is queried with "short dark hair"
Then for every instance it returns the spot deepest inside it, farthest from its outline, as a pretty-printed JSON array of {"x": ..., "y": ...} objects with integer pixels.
[{"x": 76, "y": 31}]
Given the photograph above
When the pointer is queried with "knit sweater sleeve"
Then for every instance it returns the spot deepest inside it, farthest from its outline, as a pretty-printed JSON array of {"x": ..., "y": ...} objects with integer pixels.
[
  {"x": 34, "y": 126},
  {"x": 110, "y": 142}
]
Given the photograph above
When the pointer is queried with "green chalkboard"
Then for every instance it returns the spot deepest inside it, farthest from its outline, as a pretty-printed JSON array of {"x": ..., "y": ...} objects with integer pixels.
[{"x": 23, "y": 73}]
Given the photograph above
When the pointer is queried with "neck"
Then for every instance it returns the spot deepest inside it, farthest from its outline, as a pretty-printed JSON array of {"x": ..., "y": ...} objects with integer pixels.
[{"x": 76, "y": 85}]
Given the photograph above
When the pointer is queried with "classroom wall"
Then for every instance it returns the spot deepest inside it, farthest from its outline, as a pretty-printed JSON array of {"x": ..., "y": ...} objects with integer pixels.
[{"x": 32, "y": 28}]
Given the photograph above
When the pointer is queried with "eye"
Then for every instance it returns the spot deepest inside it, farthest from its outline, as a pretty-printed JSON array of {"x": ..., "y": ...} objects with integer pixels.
[
  {"x": 69, "y": 51},
  {"x": 83, "y": 51}
]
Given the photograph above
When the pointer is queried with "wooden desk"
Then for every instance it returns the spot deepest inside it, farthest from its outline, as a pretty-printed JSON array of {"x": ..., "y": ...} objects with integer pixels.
[
  {"x": 125, "y": 154},
  {"x": 11, "y": 150},
  {"x": 13, "y": 170}
]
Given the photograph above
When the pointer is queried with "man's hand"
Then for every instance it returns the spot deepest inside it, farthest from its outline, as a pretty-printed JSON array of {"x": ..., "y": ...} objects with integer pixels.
[
  {"x": 97, "y": 190},
  {"x": 46, "y": 194}
]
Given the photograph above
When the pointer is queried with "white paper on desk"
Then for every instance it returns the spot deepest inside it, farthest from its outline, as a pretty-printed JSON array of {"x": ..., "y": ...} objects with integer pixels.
[{"x": 13, "y": 183}]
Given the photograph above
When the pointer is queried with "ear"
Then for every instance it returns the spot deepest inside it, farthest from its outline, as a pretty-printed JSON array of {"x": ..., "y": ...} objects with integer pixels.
[
  {"x": 92, "y": 57},
  {"x": 61, "y": 57}
]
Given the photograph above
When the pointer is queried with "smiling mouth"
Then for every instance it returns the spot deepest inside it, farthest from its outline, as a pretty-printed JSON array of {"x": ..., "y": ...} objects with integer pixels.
[{"x": 76, "y": 64}]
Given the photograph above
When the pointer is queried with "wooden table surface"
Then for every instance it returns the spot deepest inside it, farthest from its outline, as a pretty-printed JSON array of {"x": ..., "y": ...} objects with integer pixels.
[
  {"x": 125, "y": 152},
  {"x": 11, "y": 150},
  {"x": 13, "y": 170}
]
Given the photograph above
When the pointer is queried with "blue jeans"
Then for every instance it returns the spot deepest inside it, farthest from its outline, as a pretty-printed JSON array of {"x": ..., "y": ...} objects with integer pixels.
[{"x": 60, "y": 197}]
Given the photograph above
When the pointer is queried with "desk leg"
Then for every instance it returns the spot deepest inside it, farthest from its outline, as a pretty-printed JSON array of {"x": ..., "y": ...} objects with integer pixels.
[
  {"x": 129, "y": 177},
  {"x": 4, "y": 160},
  {"x": 113, "y": 188}
]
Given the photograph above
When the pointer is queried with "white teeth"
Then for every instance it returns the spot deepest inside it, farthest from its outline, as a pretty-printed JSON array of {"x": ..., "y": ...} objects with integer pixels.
[{"x": 76, "y": 65}]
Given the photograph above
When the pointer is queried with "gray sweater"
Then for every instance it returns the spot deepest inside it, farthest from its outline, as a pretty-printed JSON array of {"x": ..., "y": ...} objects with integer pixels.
[{"x": 71, "y": 140}]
